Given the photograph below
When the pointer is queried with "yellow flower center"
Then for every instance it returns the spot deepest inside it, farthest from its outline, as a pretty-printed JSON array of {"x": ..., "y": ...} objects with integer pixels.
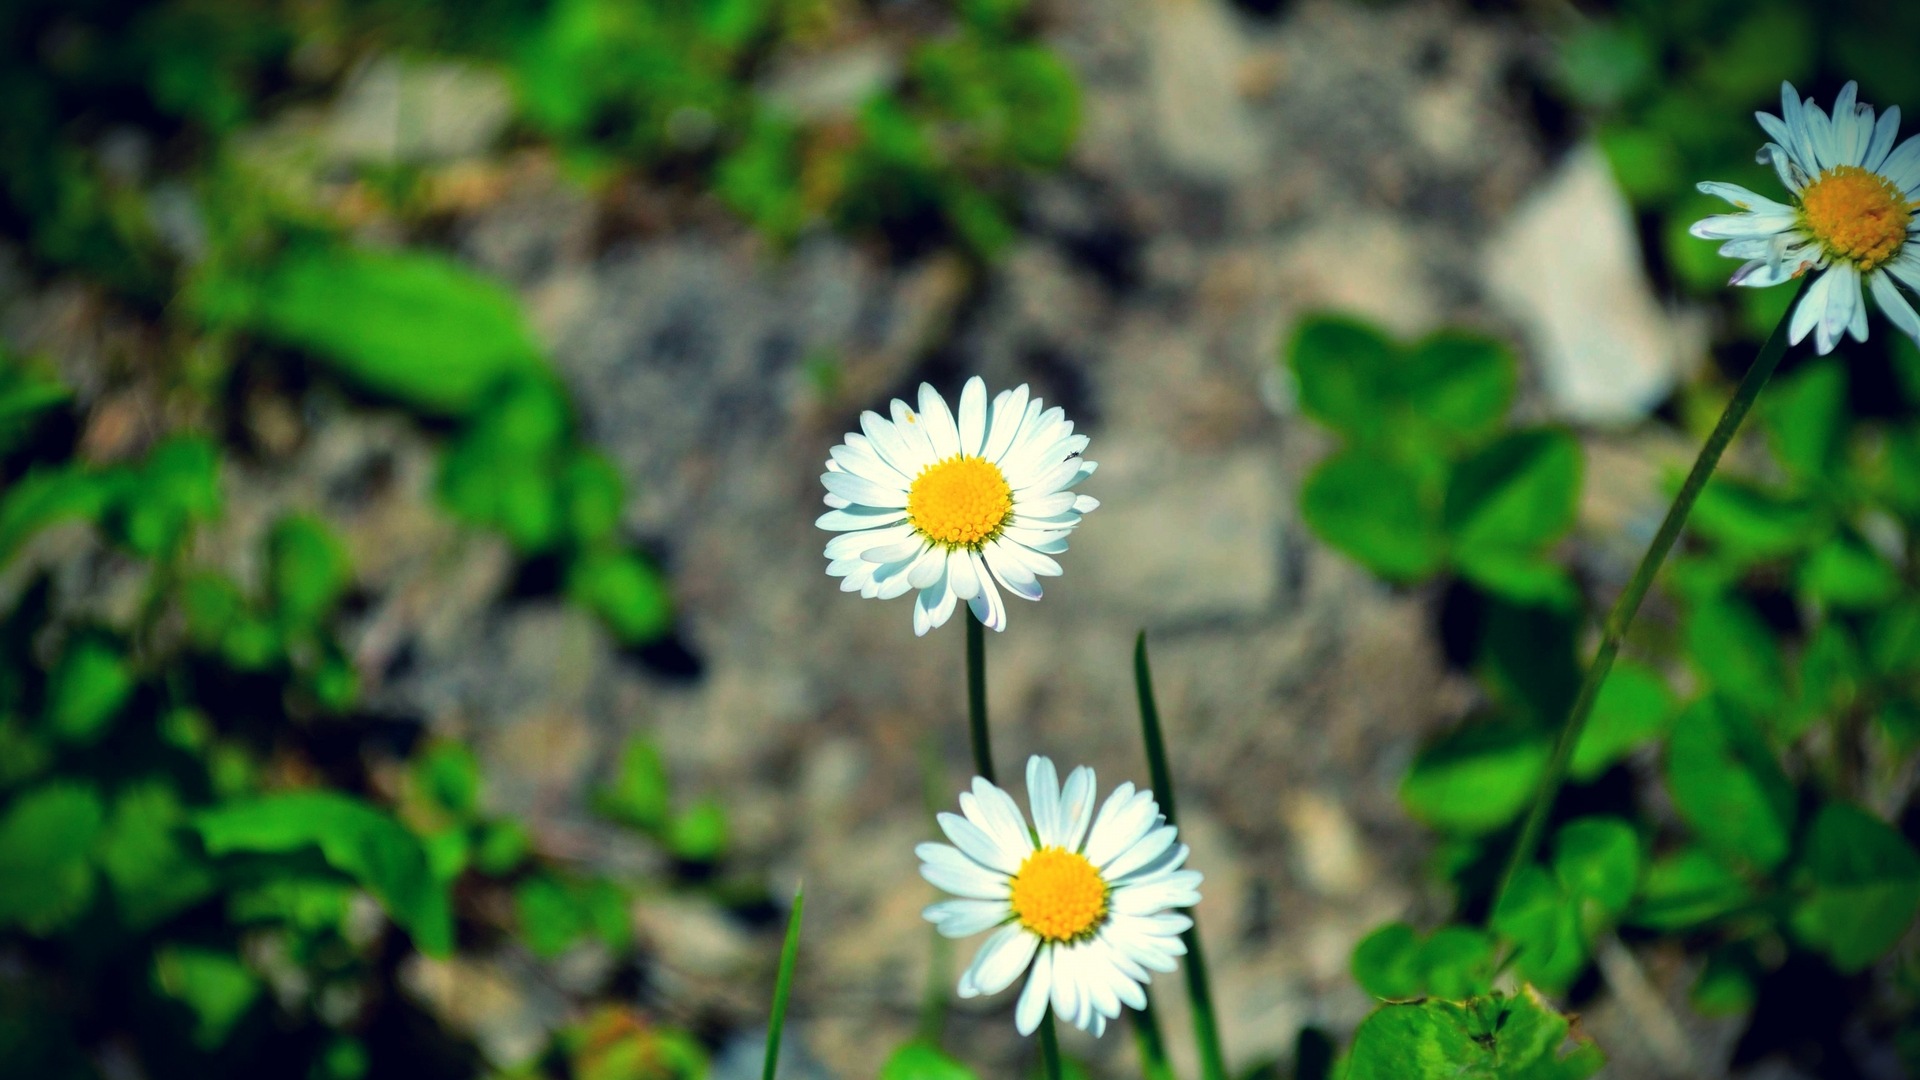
[
  {"x": 1858, "y": 215},
  {"x": 1059, "y": 895},
  {"x": 960, "y": 502}
]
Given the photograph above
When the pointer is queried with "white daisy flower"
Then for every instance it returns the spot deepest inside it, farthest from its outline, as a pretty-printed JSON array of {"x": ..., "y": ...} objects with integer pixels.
[
  {"x": 1852, "y": 216},
  {"x": 949, "y": 507},
  {"x": 1087, "y": 909}
]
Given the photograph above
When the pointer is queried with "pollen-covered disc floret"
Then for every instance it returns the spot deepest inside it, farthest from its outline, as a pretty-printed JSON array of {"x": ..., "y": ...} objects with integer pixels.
[
  {"x": 1851, "y": 222},
  {"x": 1084, "y": 904},
  {"x": 956, "y": 506}
]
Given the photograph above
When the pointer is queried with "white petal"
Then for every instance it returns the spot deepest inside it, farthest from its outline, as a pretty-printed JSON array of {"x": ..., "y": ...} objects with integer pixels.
[
  {"x": 863, "y": 462},
  {"x": 864, "y": 492},
  {"x": 975, "y": 844},
  {"x": 1039, "y": 988},
  {"x": 1812, "y": 306},
  {"x": 903, "y": 552},
  {"x": 1000, "y": 960},
  {"x": 934, "y": 606},
  {"x": 1902, "y": 167},
  {"x": 965, "y": 918},
  {"x": 859, "y": 517},
  {"x": 998, "y": 815},
  {"x": 1881, "y": 145},
  {"x": 960, "y": 574},
  {"x": 973, "y": 416},
  {"x": 938, "y": 423},
  {"x": 1068, "y": 998},
  {"x": 912, "y": 430},
  {"x": 849, "y": 544},
  {"x": 1155, "y": 898},
  {"x": 1011, "y": 572},
  {"x": 950, "y": 870},
  {"x": 1121, "y": 824},
  {"x": 1744, "y": 198},
  {"x": 1743, "y": 226},
  {"x": 1848, "y": 137},
  {"x": 1140, "y": 853},
  {"x": 1043, "y": 799},
  {"x": 1009, "y": 408},
  {"x": 988, "y": 607},
  {"x": 1076, "y": 807},
  {"x": 1843, "y": 296},
  {"x": 1898, "y": 311},
  {"x": 928, "y": 568}
]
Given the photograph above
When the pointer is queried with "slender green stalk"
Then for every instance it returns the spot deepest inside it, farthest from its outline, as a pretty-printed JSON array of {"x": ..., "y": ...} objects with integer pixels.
[
  {"x": 1206, "y": 1030},
  {"x": 783, "y": 984},
  {"x": 977, "y": 697},
  {"x": 1151, "y": 1044},
  {"x": 1628, "y": 604},
  {"x": 1049, "y": 1048},
  {"x": 933, "y": 1004}
]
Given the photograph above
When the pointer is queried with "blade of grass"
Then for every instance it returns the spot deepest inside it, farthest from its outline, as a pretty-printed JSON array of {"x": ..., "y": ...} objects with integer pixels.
[
  {"x": 1628, "y": 604},
  {"x": 1206, "y": 1029},
  {"x": 783, "y": 984}
]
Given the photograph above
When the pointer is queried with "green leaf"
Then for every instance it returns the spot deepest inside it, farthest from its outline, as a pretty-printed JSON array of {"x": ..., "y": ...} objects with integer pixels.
[
  {"x": 1342, "y": 366},
  {"x": 1727, "y": 785},
  {"x": 1475, "y": 779},
  {"x": 449, "y": 775},
  {"x": 554, "y": 913},
  {"x": 1372, "y": 509},
  {"x": 1687, "y": 889},
  {"x": 1737, "y": 654},
  {"x": 45, "y": 880},
  {"x": 1831, "y": 674},
  {"x": 1546, "y": 927},
  {"x": 1602, "y": 63},
  {"x": 1598, "y": 858},
  {"x": 177, "y": 486},
  {"x": 1458, "y": 386},
  {"x": 411, "y": 325},
  {"x": 215, "y": 985},
  {"x": 1458, "y": 962},
  {"x": 1520, "y": 492},
  {"x": 1634, "y": 707},
  {"x": 88, "y": 689},
  {"x": 1893, "y": 639},
  {"x": 626, "y": 592},
  {"x": 1387, "y": 963},
  {"x": 1491, "y": 1038},
  {"x": 1727, "y": 985},
  {"x": 355, "y": 839},
  {"x": 501, "y": 847},
  {"x": 920, "y": 1061},
  {"x": 639, "y": 794},
  {"x": 47, "y": 497},
  {"x": 1520, "y": 576},
  {"x": 1845, "y": 573},
  {"x": 307, "y": 569},
  {"x": 1752, "y": 523},
  {"x": 152, "y": 874},
  {"x": 1865, "y": 887},
  {"x": 1806, "y": 413},
  {"x": 699, "y": 834},
  {"x": 25, "y": 393},
  {"x": 594, "y": 493}
]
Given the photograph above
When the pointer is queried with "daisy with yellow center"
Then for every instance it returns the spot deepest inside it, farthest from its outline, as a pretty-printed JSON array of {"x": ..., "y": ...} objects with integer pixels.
[
  {"x": 1084, "y": 903},
  {"x": 1852, "y": 216},
  {"x": 953, "y": 505}
]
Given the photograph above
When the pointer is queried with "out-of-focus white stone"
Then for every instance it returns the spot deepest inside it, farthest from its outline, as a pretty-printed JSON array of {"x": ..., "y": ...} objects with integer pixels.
[
  {"x": 400, "y": 110},
  {"x": 1567, "y": 267},
  {"x": 1204, "y": 127}
]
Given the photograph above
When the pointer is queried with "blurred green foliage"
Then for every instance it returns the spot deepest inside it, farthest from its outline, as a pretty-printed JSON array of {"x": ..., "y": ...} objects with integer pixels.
[{"x": 212, "y": 860}]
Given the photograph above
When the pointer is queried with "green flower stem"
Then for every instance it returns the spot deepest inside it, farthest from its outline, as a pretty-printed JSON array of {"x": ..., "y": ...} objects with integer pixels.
[
  {"x": 1049, "y": 1047},
  {"x": 1628, "y": 604},
  {"x": 977, "y": 697},
  {"x": 1151, "y": 1044},
  {"x": 783, "y": 984},
  {"x": 1206, "y": 1030}
]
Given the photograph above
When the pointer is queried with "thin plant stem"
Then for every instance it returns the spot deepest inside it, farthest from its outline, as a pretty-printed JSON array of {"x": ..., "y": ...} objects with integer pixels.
[
  {"x": 783, "y": 984},
  {"x": 1049, "y": 1048},
  {"x": 977, "y": 697},
  {"x": 1206, "y": 1030},
  {"x": 1151, "y": 1044},
  {"x": 1628, "y": 603}
]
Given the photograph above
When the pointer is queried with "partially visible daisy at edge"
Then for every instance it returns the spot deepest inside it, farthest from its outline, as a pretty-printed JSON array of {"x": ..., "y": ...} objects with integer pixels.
[
  {"x": 1851, "y": 220},
  {"x": 950, "y": 505},
  {"x": 1083, "y": 902}
]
